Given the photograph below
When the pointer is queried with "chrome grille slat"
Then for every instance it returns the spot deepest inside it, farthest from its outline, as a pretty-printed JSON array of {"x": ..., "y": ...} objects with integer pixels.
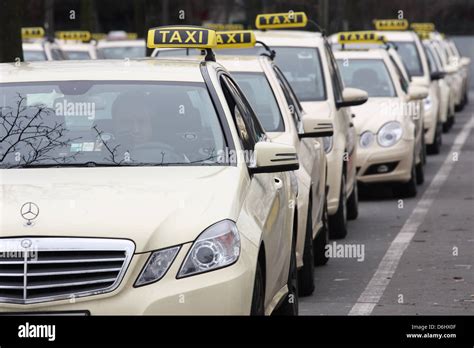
[
  {"x": 62, "y": 268},
  {"x": 109, "y": 280},
  {"x": 75, "y": 261}
]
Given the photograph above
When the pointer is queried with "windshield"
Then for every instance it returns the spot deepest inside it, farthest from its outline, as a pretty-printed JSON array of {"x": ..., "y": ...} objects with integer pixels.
[
  {"x": 122, "y": 52},
  {"x": 301, "y": 66},
  {"x": 33, "y": 56},
  {"x": 411, "y": 57},
  {"x": 260, "y": 96},
  {"x": 74, "y": 123},
  {"x": 371, "y": 75},
  {"x": 77, "y": 55}
]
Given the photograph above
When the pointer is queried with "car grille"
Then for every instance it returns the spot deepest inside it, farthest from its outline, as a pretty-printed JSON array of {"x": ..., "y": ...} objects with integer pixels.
[{"x": 36, "y": 270}]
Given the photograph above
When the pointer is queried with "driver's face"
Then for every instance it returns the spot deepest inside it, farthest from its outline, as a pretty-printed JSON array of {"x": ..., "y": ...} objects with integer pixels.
[{"x": 136, "y": 125}]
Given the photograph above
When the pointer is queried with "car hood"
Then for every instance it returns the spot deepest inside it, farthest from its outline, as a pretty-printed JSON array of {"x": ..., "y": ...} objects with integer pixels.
[
  {"x": 374, "y": 113},
  {"x": 155, "y": 207}
]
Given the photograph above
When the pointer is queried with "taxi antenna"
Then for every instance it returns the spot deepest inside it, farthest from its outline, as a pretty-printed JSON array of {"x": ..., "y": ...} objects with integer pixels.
[{"x": 271, "y": 53}]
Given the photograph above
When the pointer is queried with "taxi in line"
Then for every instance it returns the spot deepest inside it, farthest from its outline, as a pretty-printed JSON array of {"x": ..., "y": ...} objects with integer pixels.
[{"x": 191, "y": 203}]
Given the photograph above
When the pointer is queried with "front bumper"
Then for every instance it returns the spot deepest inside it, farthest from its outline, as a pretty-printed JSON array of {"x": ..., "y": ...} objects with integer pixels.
[
  {"x": 397, "y": 158},
  {"x": 225, "y": 291}
]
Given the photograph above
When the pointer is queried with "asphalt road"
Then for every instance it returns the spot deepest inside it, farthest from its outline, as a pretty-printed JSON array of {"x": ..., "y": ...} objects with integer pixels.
[{"x": 416, "y": 261}]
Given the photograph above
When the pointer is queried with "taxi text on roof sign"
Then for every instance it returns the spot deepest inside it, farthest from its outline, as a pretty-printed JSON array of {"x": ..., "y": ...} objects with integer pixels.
[
  {"x": 235, "y": 39},
  {"x": 360, "y": 37},
  {"x": 179, "y": 36},
  {"x": 281, "y": 20},
  {"x": 424, "y": 35},
  {"x": 32, "y": 33},
  {"x": 81, "y": 35},
  {"x": 222, "y": 27},
  {"x": 426, "y": 27},
  {"x": 391, "y": 24}
]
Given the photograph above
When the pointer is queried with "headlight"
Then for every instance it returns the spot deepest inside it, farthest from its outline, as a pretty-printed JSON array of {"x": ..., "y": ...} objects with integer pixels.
[
  {"x": 427, "y": 103},
  {"x": 157, "y": 265},
  {"x": 327, "y": 144},
  {"x": 218, "y": 246},
  {"x": 389, "y": 134},
  {"x": 366, "y": 139}
]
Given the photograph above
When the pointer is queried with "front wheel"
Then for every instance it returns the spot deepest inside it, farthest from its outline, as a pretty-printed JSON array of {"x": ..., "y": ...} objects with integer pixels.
[
  {"x": 289, "y": 306},
  {"x": 435, "y": 148},
  {"x": 353, "y": 203},
  {"x": 409, "y": 189},
  {"x": 258, "y": 296},
  {"x": 322, "y": 239},
  {"x": 338, "y": 221}
]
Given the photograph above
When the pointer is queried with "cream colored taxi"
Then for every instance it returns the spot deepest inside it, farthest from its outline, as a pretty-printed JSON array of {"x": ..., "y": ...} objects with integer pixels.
[
  {"x": 142, "y": 187},
  {"x": 386, "y": 130},
  {"x": 120, "y": 49},
  {"x": 307, "y": 61},
  {"x": 76, "y": 45},
  {"x": 285, "y": 121},
  {"x": 410, "y": 49},
  {"x": 37, "y": 48}
]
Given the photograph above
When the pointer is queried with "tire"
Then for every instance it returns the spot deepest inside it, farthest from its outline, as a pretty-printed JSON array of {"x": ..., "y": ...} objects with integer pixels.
[
  {"x": 353, "y": 203},
  {"x": 420, "y": 173},
  {"x": 409, "y": 189},
  {"x": 258, "y": 296},
  {"x": 306, "y": 273},
  {"x": 338, "y": 221},
  {"x": 435, "y": 148},
  {"x": 322, "y": 239},
  {"x": 446, "y": 126},
  {"x": 289, "y": 306},
  {"x": 423, "y": 150}
]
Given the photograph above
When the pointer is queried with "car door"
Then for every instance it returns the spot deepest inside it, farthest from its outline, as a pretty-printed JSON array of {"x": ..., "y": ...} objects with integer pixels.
[
  {"x": 345, "y": 118},
  {"x": 268, "y": 195},
  {"x": 310, "y": 148}
]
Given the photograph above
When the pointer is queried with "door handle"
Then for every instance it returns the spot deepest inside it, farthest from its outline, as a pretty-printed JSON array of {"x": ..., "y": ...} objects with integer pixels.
[{"x": 278, "y": 183}]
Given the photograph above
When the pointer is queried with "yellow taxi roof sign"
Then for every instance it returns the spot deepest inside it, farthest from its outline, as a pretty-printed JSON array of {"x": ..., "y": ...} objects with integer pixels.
[
  {"x": 80, "y": 35},
  {"x": 98, "y": 36},
  {"x": 391, "y": 24},
  {"x": 181, "y": 36},
  {"x": 235, "y": 39},
  {"x": 281, "y": 20},
  {"x": 426, "y": 27},
  {"x": 32, "y": 33},
  {"x": 132, "y": 36},
  {"x": 424, "y": 35},
  {"x": 349, "y": 37}
]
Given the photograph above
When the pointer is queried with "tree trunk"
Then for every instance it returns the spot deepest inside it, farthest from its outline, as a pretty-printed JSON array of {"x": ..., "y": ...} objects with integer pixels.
[{"x": 10, "y": 30}]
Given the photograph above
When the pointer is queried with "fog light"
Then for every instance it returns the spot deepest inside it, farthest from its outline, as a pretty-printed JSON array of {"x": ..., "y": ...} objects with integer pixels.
[{"x": 382, "y": 168}]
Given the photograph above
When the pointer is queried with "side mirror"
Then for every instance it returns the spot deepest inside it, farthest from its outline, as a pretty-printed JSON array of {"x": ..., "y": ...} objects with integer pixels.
[
  {"x": 352, "y": 97},
  {"x": 417, "y": 92},
  {"x": 274, "y": 157},
  {"x": 450, "y": 69},
  {"x": 437, "y": 75},
  {"x": 314, "y": 127}
]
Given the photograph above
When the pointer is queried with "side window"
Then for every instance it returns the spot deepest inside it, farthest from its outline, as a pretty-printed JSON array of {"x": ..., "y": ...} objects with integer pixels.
[
  {"x": 337, "y": 85},
  {"x": 250, "y": 130},
  {"x": 403, "y": 82},
  {"x": 293, "y": 102}
]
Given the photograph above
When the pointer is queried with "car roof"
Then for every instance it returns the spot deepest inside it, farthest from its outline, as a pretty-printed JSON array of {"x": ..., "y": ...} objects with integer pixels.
[
  {"x": 398, "y": 35},
  {"x": 241, "y": 63},
  {"x": 32, "y": 46},
  {"x": 121, "y": 43},
  {"x": 111, "y": 69},
  {"x": 296, "y": 38},
  {"x": 75, "y": 46},
  {"x": 373, "y": 53}
]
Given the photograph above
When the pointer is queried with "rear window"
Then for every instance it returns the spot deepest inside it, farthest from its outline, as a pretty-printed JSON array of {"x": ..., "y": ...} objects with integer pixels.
[{"x": 33, "y": 56}]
